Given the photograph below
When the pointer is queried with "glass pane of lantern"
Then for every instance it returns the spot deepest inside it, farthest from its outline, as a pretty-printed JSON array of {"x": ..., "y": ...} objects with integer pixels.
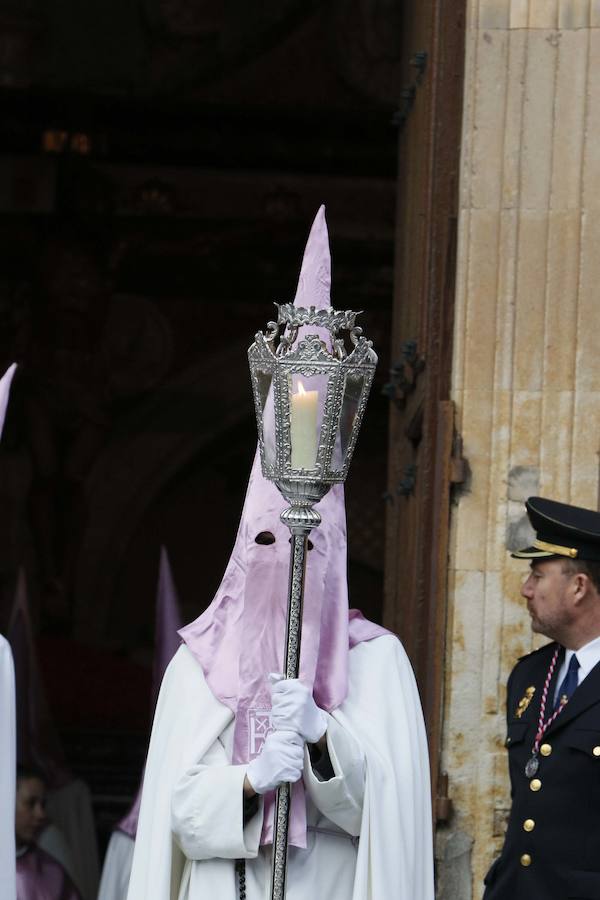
[
  {"x": 265, "y": 380},
  {"x": 352, "y": 392},
  {"x": 307, "y": 399}
]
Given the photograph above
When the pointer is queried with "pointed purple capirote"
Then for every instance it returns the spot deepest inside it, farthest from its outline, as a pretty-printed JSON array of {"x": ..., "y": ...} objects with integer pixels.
[
  {"x": 168, "y": 623},
  {"x": 5, "y": 383},
  {"x": 166, "y": 643},
  {"x": 240, "y": 637},
  {"x": 38, "y": 743},
  {"x": 314, "y": 282}
]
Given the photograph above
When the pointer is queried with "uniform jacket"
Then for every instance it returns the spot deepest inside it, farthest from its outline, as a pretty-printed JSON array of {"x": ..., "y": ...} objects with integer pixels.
[{"x": 552, "y": 844}]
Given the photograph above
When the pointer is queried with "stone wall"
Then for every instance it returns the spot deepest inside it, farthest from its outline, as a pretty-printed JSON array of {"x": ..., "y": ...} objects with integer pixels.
[{"x": 526, "y": 377}]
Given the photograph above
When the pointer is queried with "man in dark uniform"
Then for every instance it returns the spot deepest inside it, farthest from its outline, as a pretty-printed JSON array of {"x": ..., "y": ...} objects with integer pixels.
[{"x": 552, "y": 845}]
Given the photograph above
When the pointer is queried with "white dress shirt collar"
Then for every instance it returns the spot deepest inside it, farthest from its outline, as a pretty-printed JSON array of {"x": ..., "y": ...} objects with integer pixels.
[{"x": 588, "y": 656}]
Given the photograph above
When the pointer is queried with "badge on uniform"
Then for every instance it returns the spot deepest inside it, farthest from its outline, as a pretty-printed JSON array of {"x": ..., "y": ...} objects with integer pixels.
[{"x": 524, "y": 702}]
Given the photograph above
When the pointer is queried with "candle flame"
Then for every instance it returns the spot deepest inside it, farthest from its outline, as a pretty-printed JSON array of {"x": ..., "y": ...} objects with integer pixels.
[{"x": 301, "y": 388}]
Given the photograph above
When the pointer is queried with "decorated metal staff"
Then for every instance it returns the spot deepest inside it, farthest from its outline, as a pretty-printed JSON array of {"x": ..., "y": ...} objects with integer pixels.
[{"x": 311, "y": 371}]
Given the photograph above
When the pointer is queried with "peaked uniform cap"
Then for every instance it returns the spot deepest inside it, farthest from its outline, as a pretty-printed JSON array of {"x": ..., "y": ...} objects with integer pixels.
[{"x": 561, "y": 530}]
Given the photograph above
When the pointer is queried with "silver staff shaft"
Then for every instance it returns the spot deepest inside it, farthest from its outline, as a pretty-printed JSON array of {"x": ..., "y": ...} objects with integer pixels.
[{"x": 293, "y": 638}]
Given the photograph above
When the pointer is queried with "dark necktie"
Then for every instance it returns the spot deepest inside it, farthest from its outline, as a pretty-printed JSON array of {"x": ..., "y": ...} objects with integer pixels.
[{"x": 569, "y": 682}]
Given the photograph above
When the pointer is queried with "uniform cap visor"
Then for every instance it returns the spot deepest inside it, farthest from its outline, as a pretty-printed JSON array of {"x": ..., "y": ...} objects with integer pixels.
[{"x": 532, "y": 553}]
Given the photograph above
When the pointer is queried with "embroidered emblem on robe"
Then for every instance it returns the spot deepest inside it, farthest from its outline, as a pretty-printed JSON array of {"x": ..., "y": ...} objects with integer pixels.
[{"x": 259, "y": 727}]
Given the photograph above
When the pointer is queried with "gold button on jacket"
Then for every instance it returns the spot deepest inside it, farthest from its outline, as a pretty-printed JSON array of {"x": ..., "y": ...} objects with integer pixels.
[
  {"x": 526, "y": 859},
  {"x": 528, "y": 825},
  {"x": 535, "y": 784},
  {"x": 596, "y": 751},
  {"x": 546, "y": 749}
]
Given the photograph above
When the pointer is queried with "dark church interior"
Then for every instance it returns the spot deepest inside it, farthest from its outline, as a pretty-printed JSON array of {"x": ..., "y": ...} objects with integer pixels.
[{"x": 162, "y": 161}]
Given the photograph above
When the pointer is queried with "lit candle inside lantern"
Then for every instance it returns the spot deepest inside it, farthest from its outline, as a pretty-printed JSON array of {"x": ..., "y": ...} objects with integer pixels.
[{"x": 303, "y": 427}]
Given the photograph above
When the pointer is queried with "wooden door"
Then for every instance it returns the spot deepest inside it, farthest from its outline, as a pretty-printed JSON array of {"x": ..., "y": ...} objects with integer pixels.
[{"x": 422, "y": 437}]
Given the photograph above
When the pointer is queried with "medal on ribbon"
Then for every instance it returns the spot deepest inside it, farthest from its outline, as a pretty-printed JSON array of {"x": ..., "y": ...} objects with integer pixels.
[{"x": 533, "y": 763}]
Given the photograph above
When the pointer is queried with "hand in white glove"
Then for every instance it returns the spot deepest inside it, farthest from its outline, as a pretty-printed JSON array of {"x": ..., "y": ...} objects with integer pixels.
[
  {"x": 281, "y": 759},
  {"x": 293, "y": 709}
]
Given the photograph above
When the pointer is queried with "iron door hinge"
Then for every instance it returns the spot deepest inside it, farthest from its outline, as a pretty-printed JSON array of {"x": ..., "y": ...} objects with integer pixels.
[{"x": 443, "y": 803}]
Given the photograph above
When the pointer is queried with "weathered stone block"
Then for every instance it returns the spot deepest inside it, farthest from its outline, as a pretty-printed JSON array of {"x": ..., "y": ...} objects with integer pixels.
[{"x": 523, "y": 482}]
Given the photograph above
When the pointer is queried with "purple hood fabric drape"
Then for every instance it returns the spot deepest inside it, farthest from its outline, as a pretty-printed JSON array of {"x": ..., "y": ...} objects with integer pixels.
[
  {"x": 239, "y": 638},
  {"x": 166, "y": 643},
  {"x": 41, "y": 877}
]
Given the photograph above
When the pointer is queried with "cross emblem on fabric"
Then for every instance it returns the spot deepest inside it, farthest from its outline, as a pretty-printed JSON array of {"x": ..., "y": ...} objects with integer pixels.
[{"x": 259, "y": 728}]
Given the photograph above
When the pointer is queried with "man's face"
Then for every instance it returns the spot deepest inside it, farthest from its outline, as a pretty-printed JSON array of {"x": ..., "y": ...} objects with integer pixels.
[
  {"x": 30, "y": 810},
  {"x": 548, "y": 591}
]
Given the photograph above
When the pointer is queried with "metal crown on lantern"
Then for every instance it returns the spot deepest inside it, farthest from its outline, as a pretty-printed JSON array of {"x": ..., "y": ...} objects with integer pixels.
[
  {"x": 311, "y": 373},
  {"x": 310, "y": 399}
]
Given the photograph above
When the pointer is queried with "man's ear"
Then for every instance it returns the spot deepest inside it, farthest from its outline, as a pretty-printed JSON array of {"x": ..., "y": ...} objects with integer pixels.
[{"x": 582, "y": 584}]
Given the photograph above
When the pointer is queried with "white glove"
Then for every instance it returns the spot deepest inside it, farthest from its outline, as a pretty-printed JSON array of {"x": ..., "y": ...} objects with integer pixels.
[
  {"x": 293, "y": 709},
  {"x": 281, "y": 759}
]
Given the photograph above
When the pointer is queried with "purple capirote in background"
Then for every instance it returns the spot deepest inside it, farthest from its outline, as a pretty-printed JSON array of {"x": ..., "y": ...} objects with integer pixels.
[
  {"x": 166, "y": 642},
  {"x": 38, "y": 743},
  {"x": 5, "y": 383}
]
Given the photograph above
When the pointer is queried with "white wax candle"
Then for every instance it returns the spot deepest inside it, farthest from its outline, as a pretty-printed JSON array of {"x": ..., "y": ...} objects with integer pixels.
[{"x": 305, "y": 406}]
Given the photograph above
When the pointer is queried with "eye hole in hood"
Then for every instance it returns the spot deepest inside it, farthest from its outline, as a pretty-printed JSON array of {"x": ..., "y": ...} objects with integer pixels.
[{"x": 265, "y": 537}]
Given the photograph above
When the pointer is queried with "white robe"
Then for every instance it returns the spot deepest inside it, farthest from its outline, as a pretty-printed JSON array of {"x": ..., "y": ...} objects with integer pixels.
[
  {"x": 117, "y": 867},
  {"x": 191, "y": 819},
  {"x": 8, "y": 885}
]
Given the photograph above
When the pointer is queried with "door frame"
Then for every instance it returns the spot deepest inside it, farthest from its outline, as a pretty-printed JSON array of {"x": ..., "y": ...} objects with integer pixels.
[{"x": 420, "y": 619}]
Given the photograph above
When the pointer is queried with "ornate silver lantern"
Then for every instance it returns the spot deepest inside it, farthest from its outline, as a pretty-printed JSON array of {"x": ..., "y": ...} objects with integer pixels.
[{"x": 311, "y": 373}]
